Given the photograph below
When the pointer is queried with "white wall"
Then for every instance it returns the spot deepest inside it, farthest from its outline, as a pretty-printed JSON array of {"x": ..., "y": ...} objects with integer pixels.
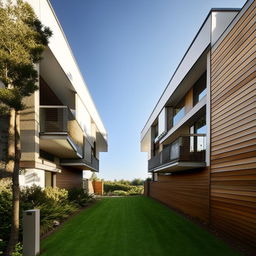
[
  {"x": 220, "y": 21},
  {"x": 62, "y": 52},
  {"x": 83, "y": 116},
  {"x": 30, "y": 177}
]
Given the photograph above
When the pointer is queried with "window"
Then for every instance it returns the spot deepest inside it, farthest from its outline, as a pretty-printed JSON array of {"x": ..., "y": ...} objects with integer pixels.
[
  {"x": 178, "y": 112},
  {"x": 48, "y": 179},
  {"x": 200, "y": 125},
  {"x": 199, "y": 89},
  {"x": 198, "y": 143}
]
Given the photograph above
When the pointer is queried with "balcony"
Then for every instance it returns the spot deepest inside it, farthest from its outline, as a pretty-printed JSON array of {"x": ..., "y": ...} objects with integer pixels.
[
  {"x": 60, "y": 133},
  {"x": 185, "y": 153},
  {"x": 87, "y": 163}
]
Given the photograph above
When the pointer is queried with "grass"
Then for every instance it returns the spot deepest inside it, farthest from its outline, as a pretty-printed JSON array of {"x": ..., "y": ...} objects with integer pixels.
[{"x": 132, "y": 226}]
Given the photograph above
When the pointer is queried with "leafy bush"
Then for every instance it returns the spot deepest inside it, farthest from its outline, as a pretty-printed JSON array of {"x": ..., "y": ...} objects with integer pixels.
[
  {"x": 55, "y": 205},
  {"x": 56, "y": 194},
  {"x": 112, "y": 186},
  {"x": 119, "y": 193},
  {"x": 79, "y": 196},
  {"x": 136, "y": 190},
  {"x": 17, "y": 250},
  {"x": 5, "y": 213},
  {"x": 53, "y": 212}
]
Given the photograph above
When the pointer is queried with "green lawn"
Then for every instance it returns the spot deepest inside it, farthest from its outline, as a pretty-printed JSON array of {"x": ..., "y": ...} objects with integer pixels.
[{"x": 131, "y": 226}]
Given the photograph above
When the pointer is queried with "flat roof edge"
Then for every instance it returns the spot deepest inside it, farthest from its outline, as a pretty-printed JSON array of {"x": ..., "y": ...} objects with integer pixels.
[{"x": 182, "y": 59}]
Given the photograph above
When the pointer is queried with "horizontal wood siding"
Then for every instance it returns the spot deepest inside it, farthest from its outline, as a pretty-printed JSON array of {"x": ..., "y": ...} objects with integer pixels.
[
  {"x": 233, "y": 132},
  {"x": 186, "y": 192},
  {"x": 69, "y": 178}
]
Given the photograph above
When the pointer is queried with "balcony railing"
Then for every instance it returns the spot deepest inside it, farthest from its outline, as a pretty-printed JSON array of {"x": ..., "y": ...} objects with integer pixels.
[
  {"x": 95, "y": 163},
  {"x": 189, "y": 148},
  {"x": 59, "y": 120}
]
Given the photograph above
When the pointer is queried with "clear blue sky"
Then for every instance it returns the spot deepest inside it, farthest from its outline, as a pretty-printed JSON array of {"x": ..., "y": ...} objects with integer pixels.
[{"x": 127, "y": 51}]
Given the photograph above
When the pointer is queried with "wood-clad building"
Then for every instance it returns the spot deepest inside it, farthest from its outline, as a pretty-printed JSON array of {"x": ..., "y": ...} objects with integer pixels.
[
  {"x": 203, "y": 162},
  {"x": 233, "y": 131}
]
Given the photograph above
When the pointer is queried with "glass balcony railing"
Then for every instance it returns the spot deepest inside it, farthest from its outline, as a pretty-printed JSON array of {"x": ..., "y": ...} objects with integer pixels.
[
  {"x": 179, "y": 116},
  {"x": 59, "y": 120},
  {"x": 189, "y": 148}
]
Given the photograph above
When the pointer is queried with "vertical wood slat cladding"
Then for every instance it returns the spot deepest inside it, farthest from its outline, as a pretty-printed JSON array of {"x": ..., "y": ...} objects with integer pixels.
[
  {"x": 69, "y": 178},
  {"x": 233, "y": 164},
  {"x": 186, "y": 192}
]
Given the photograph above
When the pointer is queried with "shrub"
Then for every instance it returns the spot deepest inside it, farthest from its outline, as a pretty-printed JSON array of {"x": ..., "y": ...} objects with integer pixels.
[
  {"x": 55, "y": 205},
  {"x": 136, "y": 190},
  {"x": 119, "y": 193},
  {"x": 17, "y": 250},
  {"x": 5, "y": 213},
  {"x": 31, "y": 197},
  {"x": 79, "y": 196},
  {"x": 52, "y": 212},
  {"x": 56, "y": 194},
  {"x": 112, "y": 186}
]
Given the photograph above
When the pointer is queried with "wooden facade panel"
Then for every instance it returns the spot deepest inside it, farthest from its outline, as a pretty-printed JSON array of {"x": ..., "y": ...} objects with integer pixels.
[
  {"x": 69, "y": 178},
  {"x": 239, "y": 101},
  {"x": 186, "y": 192},
  {"x": 243, "y": 56},
  {"x": 237, "y": 139},
  {"x": 234, "y": 85},
  {"x": 233, "y": 132},
  {"x": 242, "y": 24},
  {"x": 235, "y": 117},
  {"x": 237, "y": 129},
  {"x": 247, "y": 56}
]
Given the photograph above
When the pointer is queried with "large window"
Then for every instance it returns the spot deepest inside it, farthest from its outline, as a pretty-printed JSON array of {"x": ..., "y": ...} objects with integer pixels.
[
  {"x": 200, "y": 125},
  {"x": 48, "y": 179},
  {"x": 198, "y": 143},
  {"x": 199, "y": 89}
]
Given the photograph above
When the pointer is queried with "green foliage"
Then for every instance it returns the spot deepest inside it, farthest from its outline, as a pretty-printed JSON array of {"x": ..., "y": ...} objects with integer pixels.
[
  {"x": 54, "y": 212},
  {"x": 56, "y": 194},
  {"x": 119, "y": 193},
  {"x": 55, "y": 205},
  {"x": 112, "y": 186},
  {"x": 79, "y": 196},
  {"x": 17, "y": 250},
  {"x": 23, "y": 40},
  {"x": 5, "y": 212},
  {"x": 126, "y": 186},
  {"x": 132, "y": 226},
  {"x": 136, "y": 190},
  {"x": 137, "y": 182}
]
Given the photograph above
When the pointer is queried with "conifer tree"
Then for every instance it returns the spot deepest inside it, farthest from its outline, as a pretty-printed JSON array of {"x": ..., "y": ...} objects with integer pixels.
[{"x": 23, "y": 39}]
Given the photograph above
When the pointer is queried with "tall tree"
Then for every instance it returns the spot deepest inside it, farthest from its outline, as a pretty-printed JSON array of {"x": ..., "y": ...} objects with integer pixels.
[{"x": 23, "y": 39}]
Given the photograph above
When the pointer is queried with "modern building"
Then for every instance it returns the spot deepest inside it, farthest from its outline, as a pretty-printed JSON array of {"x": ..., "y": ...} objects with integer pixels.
[
  {"x": 62, "y": 133},
  {"x": 200, "y": 137}
]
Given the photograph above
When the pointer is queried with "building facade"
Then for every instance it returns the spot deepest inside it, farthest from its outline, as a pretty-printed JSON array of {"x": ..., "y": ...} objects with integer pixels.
[
  {"x": 61, "y": 131},
  {"x": 200, "y": 137}
]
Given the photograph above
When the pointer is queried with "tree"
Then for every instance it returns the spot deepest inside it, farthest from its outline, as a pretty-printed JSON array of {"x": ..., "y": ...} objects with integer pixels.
[
  {"x": 23, "y": 39},
  {"x": 137, "y": 182}
]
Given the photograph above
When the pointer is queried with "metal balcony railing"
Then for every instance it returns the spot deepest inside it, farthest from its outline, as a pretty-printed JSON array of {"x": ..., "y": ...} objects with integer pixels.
[
  {"x": 59, "y": 120},
  {"x": 95, "y": 163},
  {"x": 189, "y": 148}
]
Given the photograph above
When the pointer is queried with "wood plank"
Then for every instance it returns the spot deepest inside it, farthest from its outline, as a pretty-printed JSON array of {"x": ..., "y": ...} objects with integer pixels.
[
  {"x": 246, "y": 56},
  {"x": 231, "y": 103},
  {"x": 240, "y": 43},
  {"x": 234, "y": 85},
  {"x": 229, "y": 41}
]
